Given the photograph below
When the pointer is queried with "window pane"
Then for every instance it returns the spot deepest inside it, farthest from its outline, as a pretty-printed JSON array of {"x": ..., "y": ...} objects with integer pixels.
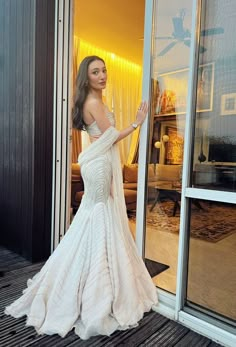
[
  {"x": 170, "y": 71},
  {"x": 214, "y": 159},
  {"x": 212, "y": 257},
  {"x": 212, "y": 261}
]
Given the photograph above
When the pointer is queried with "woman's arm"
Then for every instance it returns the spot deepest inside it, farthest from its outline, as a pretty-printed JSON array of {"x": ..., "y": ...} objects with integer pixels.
[{"x": 97, "y": 110}]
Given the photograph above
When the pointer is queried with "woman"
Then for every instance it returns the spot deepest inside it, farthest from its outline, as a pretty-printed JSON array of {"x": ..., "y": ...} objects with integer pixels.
[{"x": 94, "y": 281}]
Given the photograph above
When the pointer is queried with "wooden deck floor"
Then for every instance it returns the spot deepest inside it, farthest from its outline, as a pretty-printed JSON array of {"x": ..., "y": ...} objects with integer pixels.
[{"x": 153, "y": 330}]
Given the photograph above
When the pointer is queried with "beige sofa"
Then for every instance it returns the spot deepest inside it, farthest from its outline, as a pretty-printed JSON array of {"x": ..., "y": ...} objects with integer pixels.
[
  {"x": 157, "y": 173},
  {"x": 162, "y": 174}
]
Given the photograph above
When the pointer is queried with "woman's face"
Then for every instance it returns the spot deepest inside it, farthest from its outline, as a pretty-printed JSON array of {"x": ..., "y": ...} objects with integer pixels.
[{"x": 97, "y": 75}]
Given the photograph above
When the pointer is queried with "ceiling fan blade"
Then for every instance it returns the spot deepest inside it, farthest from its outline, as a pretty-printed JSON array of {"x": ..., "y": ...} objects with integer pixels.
[
  {"x": 187, "y": 43},
  {"x": 212, "y": 31},
  {"x": 167, "y": 48},
  {"x": 164, "y": 37},
  {"x": 178, "y": 26}
]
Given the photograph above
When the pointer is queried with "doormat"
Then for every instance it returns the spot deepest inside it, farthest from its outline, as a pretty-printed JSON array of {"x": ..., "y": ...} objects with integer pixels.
[
  {"x": 212, "y": 223},
  {"x": 154, "y": 268}
]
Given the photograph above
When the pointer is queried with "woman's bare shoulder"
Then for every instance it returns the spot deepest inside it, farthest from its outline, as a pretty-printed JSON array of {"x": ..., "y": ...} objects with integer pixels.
[
  {"x": 95, "y": 108},
  {"x": 89, "y": 104},
  {"x": 92, "y": 103}
]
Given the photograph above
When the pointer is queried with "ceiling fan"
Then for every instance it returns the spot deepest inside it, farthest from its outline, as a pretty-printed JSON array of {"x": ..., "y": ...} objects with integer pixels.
[{"x": 181, "y": 34}]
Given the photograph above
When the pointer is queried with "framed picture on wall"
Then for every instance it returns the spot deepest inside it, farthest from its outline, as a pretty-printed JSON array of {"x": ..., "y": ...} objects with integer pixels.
[
  {"x": 228, "y": 104},
  {"x": 174, "y": 146},
  {"x": 172, "y": 91}
]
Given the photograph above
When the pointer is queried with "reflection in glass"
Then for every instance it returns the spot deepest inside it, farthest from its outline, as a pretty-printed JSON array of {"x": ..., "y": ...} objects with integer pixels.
[
  {"x": 212, "y": 258},
  {"x": 214, "y": 157},
  {"x": 170, "y": 70}
]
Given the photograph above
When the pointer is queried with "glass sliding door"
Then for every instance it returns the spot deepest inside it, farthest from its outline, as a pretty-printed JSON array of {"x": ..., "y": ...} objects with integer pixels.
[
  {"x": 169, "y": 88},
  {"x": 211, "y": 282}
]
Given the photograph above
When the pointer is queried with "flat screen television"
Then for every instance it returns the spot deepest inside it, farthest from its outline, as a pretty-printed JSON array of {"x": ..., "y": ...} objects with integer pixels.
[{"x": 223, "y": 152}]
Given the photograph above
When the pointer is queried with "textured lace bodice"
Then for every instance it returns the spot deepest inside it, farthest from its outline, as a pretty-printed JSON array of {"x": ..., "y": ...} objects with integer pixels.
[{"x": 93, "y": 129}]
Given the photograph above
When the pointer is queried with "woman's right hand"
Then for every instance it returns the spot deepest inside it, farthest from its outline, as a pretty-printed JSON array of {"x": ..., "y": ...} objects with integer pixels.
[{"x": 141, "y": 113}]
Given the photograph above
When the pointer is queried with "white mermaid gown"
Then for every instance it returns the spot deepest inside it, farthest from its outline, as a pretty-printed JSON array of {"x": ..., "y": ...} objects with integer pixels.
[{"x": 94, "y": 281}]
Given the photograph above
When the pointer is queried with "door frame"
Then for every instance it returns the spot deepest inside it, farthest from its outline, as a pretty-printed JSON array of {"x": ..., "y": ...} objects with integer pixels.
[{"x": 63, "y": 64}]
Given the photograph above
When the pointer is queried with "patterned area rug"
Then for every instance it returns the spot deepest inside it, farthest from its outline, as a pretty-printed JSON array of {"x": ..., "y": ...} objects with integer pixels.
[{"x": 213, "y": 223}]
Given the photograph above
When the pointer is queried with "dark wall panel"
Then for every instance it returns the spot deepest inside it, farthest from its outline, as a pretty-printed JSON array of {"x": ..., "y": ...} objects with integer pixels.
[
  {"x": 44, "y": 70},
  {"x": 26, "y": 115},
  {"x": 16, "y": 123}
]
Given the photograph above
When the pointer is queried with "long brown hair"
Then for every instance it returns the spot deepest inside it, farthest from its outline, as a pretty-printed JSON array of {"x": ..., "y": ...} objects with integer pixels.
[{"x": 81, "y": 91}]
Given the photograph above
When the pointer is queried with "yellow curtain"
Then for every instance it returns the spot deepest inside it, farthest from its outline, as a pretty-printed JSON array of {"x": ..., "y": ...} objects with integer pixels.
[{"x": 123, "y": 91}]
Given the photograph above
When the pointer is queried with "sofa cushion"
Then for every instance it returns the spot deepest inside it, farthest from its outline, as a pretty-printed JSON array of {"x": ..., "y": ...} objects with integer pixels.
[
  {"x": 75, "y": 168},
  {"x": 130, "y": 196},
  {"x": 168, "y": 172},
  {"x": 130, "y": 173},
  {"x": 132, "y": 185}
]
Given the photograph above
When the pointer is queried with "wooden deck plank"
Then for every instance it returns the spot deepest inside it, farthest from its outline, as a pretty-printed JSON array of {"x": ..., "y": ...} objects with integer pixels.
[
  {"x": 8, "y": 322},
  {"x": 15, "y": 333},
  {"x": 41, "y": 340},
  {"x": 168, "y": 335},
  {"x": 194, "y": 339},
  {"x": 19, "y": 272},
  {"x": 47, "y": 341},
  {"x": 10, "y": 260}
]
